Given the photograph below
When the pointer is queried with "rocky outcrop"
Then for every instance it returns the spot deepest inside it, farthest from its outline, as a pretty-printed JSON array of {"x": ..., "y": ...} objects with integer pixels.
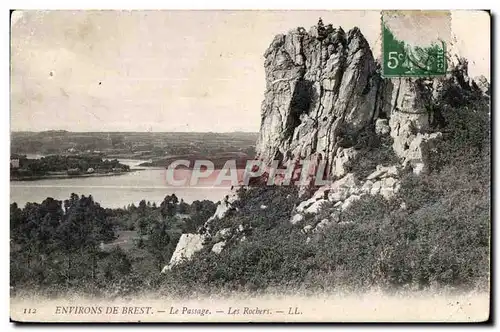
[
  {"x": 323, "y": 87},
  {"x": 221, "y": 238},
  {"x": 410, "y": 116},
  {"x": 223, "y": 208},
  {"x": 217, "y": 248},
  {"x": 319, "y": 87},
  {"x": 323, "y": 92},
  {"x": 342, "y": 193},
  {"x": 483, "y": 85},
  {"x": 187, "y": 246}
]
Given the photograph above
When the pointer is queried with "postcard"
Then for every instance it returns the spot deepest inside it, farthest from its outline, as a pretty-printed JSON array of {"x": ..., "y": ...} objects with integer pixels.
[{"x": 250, "y": 166}]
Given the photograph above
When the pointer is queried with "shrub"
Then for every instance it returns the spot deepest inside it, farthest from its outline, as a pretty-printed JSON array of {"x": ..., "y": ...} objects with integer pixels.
[{"x": 373, "y": 150}]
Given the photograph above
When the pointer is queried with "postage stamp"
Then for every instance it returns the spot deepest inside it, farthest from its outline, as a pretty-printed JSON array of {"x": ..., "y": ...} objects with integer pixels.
[{"x": 414, "y": 43}]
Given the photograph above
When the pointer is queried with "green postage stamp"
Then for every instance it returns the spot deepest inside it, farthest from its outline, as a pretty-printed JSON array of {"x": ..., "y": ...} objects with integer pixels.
[{"x": 414, "y": 43}]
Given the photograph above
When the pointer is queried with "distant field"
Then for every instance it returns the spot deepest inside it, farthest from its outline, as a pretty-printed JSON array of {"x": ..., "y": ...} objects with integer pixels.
[
  {"x": 133, "y": 145},
  {"x": 125, "y": 240}
]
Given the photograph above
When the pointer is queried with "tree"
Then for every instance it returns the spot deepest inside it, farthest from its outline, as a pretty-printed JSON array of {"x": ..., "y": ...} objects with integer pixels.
[
  {"x": 142, "y": 208},
  {"x": 116, "y": 264},
  {"x": 143, "y": 225},
  {"x": 183, "y": 207},
  {"x": 169, "y": 205},
  {"x": 157, "y": 243},
  {"x": 199, "y": 212}
]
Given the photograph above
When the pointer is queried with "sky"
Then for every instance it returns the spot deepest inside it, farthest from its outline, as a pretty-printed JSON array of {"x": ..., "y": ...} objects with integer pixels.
[{"x": 169, "y": 70}]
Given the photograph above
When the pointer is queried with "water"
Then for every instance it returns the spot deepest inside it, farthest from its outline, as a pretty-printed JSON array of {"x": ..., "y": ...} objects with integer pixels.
[{"x": 113, "y": 191}]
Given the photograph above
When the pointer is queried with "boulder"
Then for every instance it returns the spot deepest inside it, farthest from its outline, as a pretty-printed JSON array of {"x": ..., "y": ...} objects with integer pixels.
[
  {"x": 335, "y": 216},
  {"x": 307, "y": 229},
  {"x": 342, "y": 188},
  {"x": 322, "y": 225},
  {"x": 217, "y": 248},
  {"x": 383, "y": 171},
  {"x": 376, "y": 188},
  {"x": 483, "y": 85},
  {"x": 367, "y": 187},
  {"x": 305, "y": 204},
  {"x": 187, "y": 246},
  {"x": 389, "y": 187},
  {"x": 327, "y": 222},
  {"x": 297, "y": 218},
  {"x": 223, "y": 234},
  {"x": 382, "y": 127},
  {"x": 314, "y": 208},
  {"x": 243, "y": 228},
  {"x": 348, "y": 202}
]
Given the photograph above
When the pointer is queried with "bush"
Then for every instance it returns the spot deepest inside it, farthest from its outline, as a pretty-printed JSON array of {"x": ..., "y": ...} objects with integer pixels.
[{"x": 373, "y": 150}]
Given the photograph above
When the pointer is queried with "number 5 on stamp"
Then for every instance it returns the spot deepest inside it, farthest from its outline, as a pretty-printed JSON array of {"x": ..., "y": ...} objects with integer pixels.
[{"x": 409, "y": 49}]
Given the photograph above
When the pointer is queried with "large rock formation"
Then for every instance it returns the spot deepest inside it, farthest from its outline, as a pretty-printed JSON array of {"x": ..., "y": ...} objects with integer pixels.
[
  {"x": 319, "y": 87},
  {"x": 323, "y": 87}
]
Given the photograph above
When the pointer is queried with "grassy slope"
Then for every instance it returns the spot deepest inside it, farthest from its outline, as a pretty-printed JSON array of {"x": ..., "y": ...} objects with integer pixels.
[{"x": 442, "y": 239}]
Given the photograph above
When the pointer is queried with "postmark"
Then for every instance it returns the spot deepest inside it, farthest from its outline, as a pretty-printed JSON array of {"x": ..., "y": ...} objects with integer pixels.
[{"x": 414, "y": 43}]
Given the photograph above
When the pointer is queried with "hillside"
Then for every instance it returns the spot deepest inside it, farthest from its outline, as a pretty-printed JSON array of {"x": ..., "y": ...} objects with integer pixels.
[
  {"x": 409, "y": 205},
  {"x": 152, "y": 146}
]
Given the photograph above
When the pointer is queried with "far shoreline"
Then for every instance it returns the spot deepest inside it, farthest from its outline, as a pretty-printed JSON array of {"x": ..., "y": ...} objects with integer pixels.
[{"x": 66, "y": 176}]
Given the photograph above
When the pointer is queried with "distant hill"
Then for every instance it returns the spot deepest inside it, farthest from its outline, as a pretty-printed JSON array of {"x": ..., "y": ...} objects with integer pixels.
[{"x": 140, "y": 145}]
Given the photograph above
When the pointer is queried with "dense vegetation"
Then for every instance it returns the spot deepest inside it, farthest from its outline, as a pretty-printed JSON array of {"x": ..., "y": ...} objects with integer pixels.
[
  {"x": 58, "y": 163},
  {"x": 76, "y": 245}
]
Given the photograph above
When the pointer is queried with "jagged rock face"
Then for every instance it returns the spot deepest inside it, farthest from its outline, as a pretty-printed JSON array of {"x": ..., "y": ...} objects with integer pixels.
[
  {"x": 407, "y": 108},
  {"x": 223, "y": 208},
  {"x": 317, "y": 88},
  {"x": 187, "y": 246},
  {"x": 483, "y": 85},
  {"x": 345, "y": 192},
  {"x": 324, "y": 88}
]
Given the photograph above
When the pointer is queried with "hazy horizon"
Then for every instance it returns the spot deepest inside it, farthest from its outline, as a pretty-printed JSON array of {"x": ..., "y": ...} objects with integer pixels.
[
  {"x": 135, "y": 131},
  {"x": 168, "y": 71}
]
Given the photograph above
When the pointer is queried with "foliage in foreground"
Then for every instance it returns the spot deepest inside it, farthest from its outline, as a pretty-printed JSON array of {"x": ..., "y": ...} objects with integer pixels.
[{"x": 440, "y": 239}]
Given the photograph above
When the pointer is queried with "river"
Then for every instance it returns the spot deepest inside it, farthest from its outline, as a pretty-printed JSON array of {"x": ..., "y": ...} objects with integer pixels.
[{"x": 113, "y": 191}]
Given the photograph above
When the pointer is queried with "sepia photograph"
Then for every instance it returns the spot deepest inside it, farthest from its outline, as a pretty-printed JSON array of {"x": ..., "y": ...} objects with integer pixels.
[{"x": 250, "y": 166}]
